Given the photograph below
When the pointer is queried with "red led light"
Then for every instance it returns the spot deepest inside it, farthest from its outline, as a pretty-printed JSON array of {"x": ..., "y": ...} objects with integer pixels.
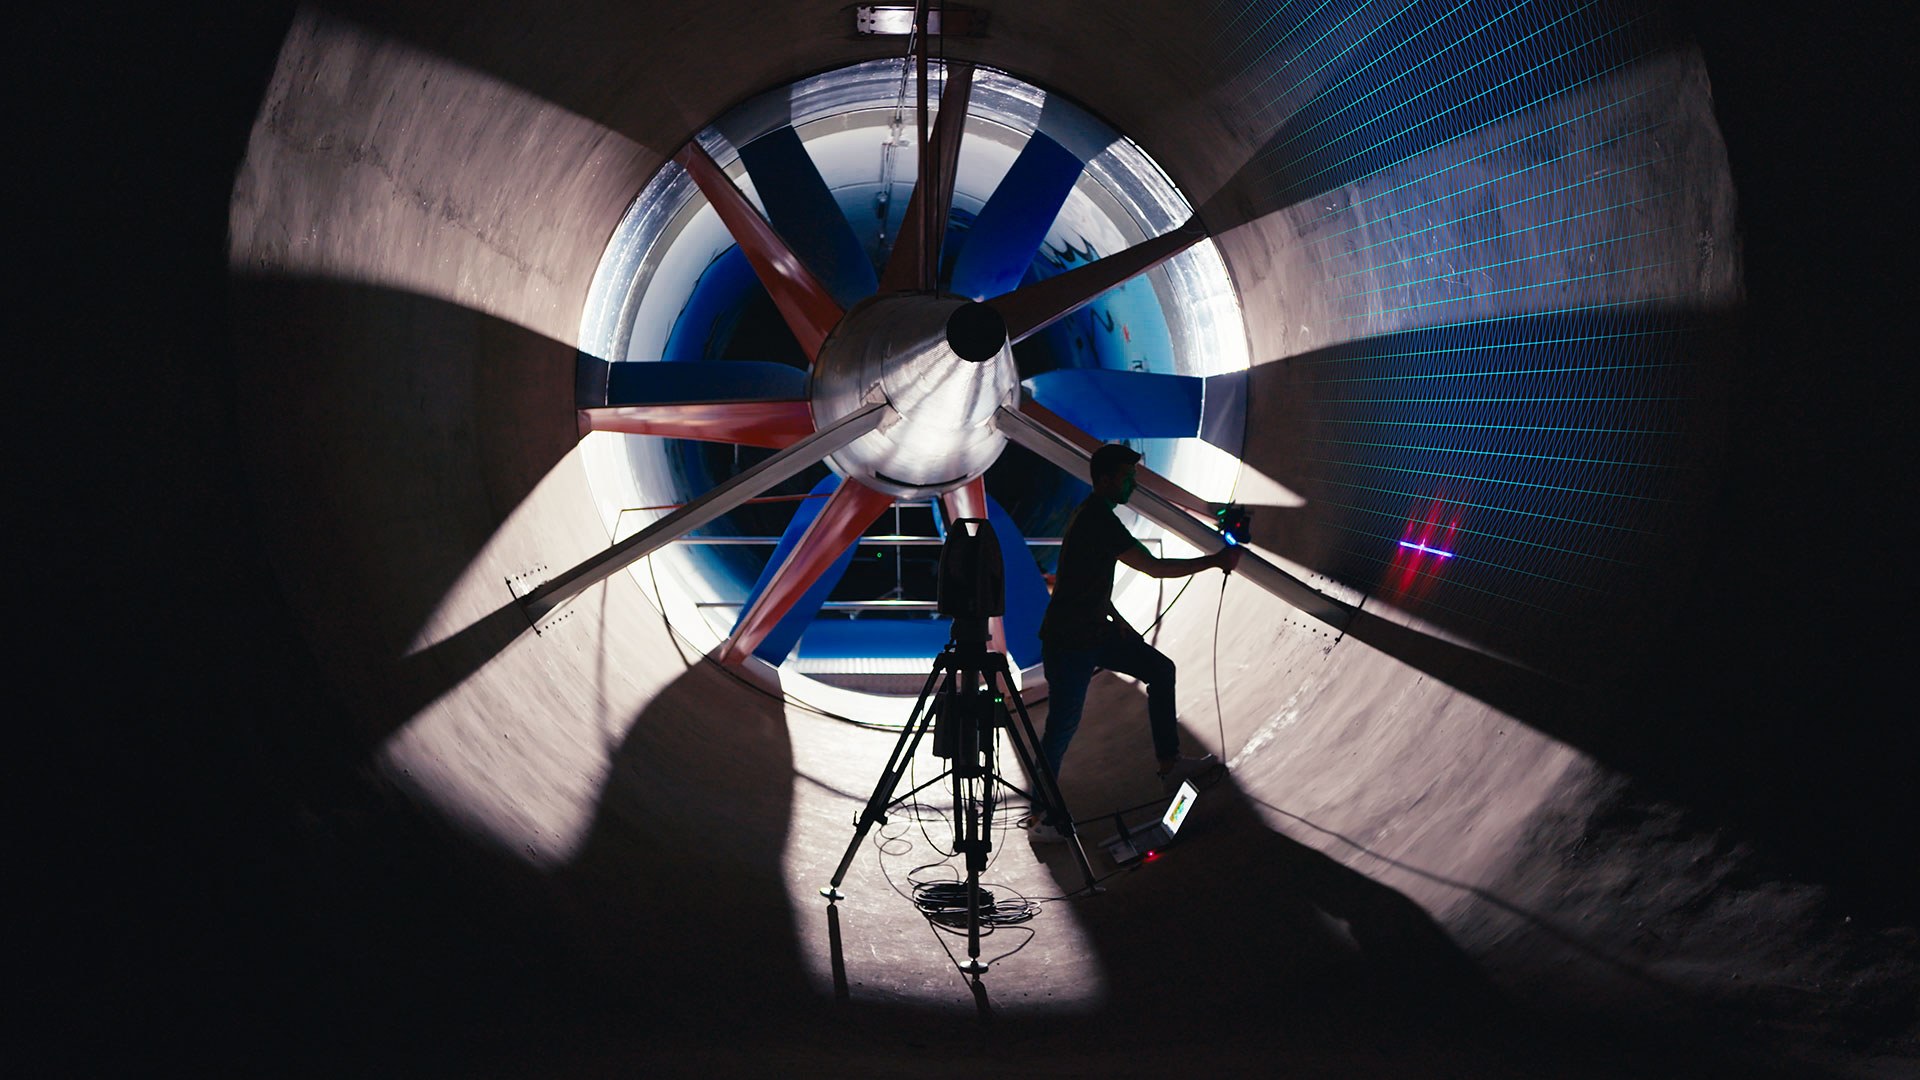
[
  {"x": 1425, "y": 547},
  {"x": 1152, "y": 855}
]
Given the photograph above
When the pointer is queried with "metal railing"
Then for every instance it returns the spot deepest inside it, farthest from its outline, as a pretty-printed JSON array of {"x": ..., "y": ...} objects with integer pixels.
[
  {"x": 865, "y": 541},
  {"x": 863, "y": 605}
]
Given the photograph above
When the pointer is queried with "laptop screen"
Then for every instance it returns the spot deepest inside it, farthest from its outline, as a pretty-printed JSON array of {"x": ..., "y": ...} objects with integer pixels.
[{"x": 1177, "y": 810}]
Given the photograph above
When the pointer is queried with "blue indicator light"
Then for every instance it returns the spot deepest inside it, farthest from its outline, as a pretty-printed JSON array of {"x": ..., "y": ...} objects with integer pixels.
[{"x": 1425, "y": 548}]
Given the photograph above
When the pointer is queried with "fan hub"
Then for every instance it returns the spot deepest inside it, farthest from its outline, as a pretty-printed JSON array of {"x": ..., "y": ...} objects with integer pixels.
[{"x": 909, "y": 350}]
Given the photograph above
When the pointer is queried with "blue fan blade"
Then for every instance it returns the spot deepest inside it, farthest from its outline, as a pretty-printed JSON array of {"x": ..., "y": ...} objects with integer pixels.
[
  {"x": 1009, "y": 228},
  {"x": 655, "y": 383},
  {"x": 712, "y": 310},
  {"x": 781, "y": 639},
  {"x": 804, "y": 212},
  {"x": 1110, "y": 405},
  {"x": 1026, "y": 590}
]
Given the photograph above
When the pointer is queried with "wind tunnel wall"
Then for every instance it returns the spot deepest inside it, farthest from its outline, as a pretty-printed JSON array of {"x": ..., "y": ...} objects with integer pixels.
[{"x": 1485, "y": 296}]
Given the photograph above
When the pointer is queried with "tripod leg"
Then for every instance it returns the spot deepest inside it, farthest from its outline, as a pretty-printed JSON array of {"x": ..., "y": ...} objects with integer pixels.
[
  {"x": 988, "y": 778},
  {"x": 1027, "y": 746},
  {"x": 973, "y": 966},
  {"x": 977, "y": 814},
  {"x": 876, "y": 809},
  {"x": 1031, "y": 768},
  {"x": 967, "y": 841}
]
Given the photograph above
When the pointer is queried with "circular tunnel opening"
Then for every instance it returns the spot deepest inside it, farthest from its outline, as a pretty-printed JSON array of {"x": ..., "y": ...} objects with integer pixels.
[{"x": 674, "y": 288}]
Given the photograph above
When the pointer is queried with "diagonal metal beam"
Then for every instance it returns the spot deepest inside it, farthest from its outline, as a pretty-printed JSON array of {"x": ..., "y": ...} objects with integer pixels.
[
  {"x": 1035, "y": 307},
  {"x": 915, "y": 261},
  {"x": 1074, "y": 455},
  {"x": 1075, "y": 436},
  {"x": 789, "y": 462},
  {"x": 920, "y": 49},
  {"x": 779, "y": 641},
  {"x": 809, "y": 309},
  {"x": 774, "y": 424}
]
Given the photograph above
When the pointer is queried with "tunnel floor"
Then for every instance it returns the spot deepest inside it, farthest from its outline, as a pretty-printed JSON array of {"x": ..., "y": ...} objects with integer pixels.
[
  {"x": 363, "y": 935},
  {"x": 325, "y": 920}
]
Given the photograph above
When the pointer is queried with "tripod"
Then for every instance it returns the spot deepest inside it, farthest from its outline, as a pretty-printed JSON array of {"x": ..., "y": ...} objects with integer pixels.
[{"x": 975, "y": 685}]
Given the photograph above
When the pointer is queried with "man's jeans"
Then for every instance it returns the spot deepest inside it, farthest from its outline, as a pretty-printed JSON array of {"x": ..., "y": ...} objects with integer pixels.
[{"x": 1070, "y": 670}]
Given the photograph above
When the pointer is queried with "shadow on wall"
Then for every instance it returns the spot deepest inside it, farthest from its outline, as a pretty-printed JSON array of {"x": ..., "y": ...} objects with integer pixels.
[
  {"x": 611, "y": 62},
  {"x": 403, "y": 941},
  {"x": 386, "y": 436},
  {"x": 680, "y": 873}
]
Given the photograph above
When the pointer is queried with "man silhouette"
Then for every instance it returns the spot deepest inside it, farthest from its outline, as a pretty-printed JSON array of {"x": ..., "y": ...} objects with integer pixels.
[{"x": 1081, "y": 630}]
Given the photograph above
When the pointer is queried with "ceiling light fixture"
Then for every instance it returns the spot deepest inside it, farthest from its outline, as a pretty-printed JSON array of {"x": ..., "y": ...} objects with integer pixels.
[{"x": 894, "y": 20}]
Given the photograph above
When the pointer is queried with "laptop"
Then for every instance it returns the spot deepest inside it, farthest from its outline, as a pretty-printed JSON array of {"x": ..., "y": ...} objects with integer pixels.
[{"x": 1143, "y": 842}]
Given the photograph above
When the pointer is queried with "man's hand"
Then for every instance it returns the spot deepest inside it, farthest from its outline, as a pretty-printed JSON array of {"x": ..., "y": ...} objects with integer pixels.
[{"x": 1227, "y": 558}]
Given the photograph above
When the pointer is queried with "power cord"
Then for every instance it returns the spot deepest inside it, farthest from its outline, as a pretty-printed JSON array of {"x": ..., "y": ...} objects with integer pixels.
[
  {"x": 1220, "y": 605},
  {"x": 1219, "y": 714},
  {"x": 1167, "y": 608},
  {"x": 943, "y": 902}
]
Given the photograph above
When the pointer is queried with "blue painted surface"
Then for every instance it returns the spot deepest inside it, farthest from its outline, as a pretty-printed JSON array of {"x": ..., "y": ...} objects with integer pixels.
[
  {"x": 1026, "y": 590},
  {"x": 1114, "y": 405},
  {"x": 780, "y": 641},
  {"x": 710, "y": 316},
  {"x": 727, "y": 306},
  {"x": 1000, "y": 246},
  {"x": 713, "y": 308},
  {"x": 643, "y": 383},
  {"x": 894, "y": 639},
  {"x": 804, "y": 212},
  {"x": 1124, "y": 329}
]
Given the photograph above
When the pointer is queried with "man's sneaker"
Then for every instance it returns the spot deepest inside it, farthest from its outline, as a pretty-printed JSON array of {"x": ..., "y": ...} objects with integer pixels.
[
  {"x": 1186, "y": 768},
  {"x": 1042, "y": 833}
]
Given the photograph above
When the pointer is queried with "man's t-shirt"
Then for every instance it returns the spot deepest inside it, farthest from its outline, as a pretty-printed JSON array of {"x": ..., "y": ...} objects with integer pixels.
[{"x": 1083, "y": 583}]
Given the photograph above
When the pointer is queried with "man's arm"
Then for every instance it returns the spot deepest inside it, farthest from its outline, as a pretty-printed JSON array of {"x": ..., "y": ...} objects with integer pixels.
[{"x": 1139, "y": 559}]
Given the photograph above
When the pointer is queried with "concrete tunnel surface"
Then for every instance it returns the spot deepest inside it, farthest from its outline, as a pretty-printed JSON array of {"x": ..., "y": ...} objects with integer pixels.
[{"x": 1522, "y": 846}]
